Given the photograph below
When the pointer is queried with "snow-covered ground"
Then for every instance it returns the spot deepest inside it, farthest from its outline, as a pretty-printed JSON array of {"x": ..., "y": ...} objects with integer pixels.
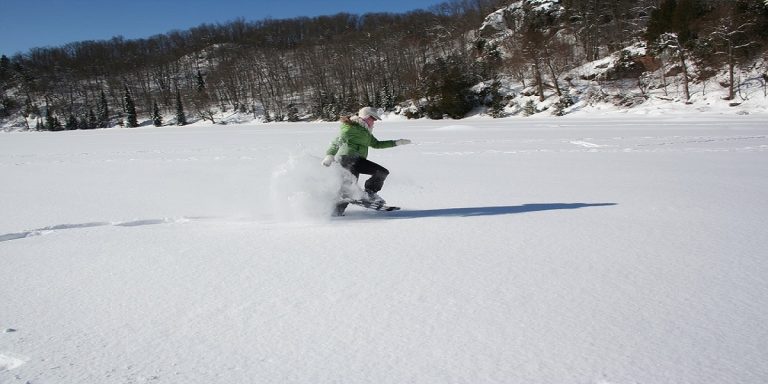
[{"x": 615, "y": 249}]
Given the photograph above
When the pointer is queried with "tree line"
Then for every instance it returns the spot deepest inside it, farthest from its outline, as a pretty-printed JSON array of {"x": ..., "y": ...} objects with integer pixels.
[{"x": 327, "y": 66}]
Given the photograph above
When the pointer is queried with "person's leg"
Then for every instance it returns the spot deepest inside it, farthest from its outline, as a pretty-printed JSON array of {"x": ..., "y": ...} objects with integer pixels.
[{"x": 377, "y": 172}]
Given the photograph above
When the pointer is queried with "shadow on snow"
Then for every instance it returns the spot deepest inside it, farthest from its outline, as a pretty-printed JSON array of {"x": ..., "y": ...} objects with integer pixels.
[
  {"x": 403, "y": 214},
  {"x": 484, "y": 211}
]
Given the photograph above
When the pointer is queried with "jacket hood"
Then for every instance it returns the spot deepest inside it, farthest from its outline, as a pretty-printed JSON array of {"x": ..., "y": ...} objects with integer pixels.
[{"x": 357, "y": 120}]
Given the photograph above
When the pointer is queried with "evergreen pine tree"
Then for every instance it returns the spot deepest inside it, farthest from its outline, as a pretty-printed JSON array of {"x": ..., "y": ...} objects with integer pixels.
[
  {"x": 49, "y": 124},
  {"x": 564, "y": 102},
  {"x": 52, "y": 122},
  {"x": 446, "y": 84},
  {"x": 83, "y": 122},
  {"x": 389, "y": 99},
  {"x": 181, "y": 118},
  {"x": 130, "y": 110},
  {"x": 102, "y": 113},
  {"x": 496, "y": 102},
  {"x": 93, "y": 121},
  {"x": 5, "y": 68},
  {"x": 157, "y": 120},
  {"x": 71, "y": 122},
  {"x": 200, "y": 82},
  {"x": 529, "y": 108}
]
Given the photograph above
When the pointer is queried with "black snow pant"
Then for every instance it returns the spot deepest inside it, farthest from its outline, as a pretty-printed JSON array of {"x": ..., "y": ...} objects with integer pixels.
[{"x": 357, "y": 165}]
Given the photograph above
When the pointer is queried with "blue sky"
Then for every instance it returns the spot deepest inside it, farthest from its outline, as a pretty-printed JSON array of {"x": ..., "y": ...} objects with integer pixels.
[{"x": 25, "y": 24}]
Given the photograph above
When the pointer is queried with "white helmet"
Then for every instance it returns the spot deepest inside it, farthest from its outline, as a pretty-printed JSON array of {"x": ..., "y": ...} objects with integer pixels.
[{"x": 369, "y": 111}]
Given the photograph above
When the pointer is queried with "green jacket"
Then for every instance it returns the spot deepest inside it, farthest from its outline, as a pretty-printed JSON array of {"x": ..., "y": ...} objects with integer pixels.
[{"x": 354, "y": 140}]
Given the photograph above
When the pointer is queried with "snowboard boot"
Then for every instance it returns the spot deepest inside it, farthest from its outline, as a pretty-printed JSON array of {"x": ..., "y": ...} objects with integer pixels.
[
  {"x": 339, "y": 209},
  {"x": 373, "y": 198}
]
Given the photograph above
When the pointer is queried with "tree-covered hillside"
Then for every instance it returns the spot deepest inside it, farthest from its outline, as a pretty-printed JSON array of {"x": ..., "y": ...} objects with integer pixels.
[{"x": 421, "y": 63}]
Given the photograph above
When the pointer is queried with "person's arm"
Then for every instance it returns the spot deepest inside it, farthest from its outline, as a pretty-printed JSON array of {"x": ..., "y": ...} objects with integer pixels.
[
  {"x": 334, "y": 147},
  {"x": 381, "y": 144},
  {"x": 331, "y": 152},
  {"x": 387, "y": 143}
]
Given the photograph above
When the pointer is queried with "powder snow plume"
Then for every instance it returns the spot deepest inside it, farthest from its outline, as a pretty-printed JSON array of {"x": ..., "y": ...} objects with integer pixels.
[{"x": 304, "y": 190}]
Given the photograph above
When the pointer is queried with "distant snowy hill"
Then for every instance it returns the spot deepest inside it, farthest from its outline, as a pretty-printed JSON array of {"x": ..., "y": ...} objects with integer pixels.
[{"x": 527, "y": 58}]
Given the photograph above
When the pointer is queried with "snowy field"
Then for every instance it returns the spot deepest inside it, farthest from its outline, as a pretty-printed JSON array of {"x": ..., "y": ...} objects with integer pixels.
[{"x": 616, "y": 249}]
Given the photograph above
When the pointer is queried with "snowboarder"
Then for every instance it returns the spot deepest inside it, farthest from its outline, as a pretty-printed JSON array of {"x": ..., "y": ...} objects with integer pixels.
[{"x": 350, "y": 148}]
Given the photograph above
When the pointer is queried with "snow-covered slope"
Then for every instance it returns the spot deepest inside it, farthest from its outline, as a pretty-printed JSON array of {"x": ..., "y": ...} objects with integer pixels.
[
  {"x": 510, "y": 20},
  {"x": 540, "y": 250}
]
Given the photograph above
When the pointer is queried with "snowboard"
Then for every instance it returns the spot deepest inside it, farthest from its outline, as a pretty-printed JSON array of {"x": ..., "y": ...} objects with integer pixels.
[{"x": 371, "y": 205}]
